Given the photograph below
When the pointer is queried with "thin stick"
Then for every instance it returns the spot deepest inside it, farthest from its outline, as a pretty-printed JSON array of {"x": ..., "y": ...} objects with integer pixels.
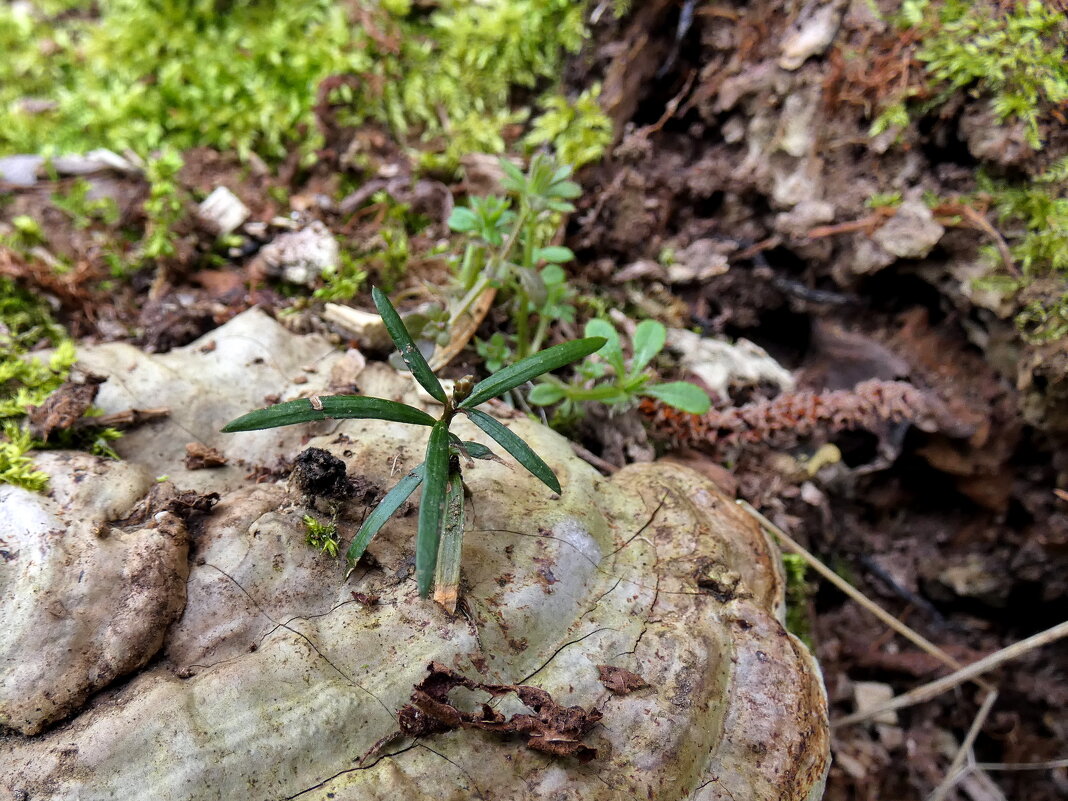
[
  {"x": 909, "y": 634},
  {"x": 935, "y": 688},
  {"x": 1052, "y": 764},
  {"x": 587, "y": 456},
  {"x": 957, "y": 771}
]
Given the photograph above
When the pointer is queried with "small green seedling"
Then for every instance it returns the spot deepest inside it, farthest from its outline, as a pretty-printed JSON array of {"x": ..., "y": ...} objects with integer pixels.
[
  {"x": 440, "y": 529},
  {"x": 509, "y": 248},
  {"x": 614, "y": 380}
]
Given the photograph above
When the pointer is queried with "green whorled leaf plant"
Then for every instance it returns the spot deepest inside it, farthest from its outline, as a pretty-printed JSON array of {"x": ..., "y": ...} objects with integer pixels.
[
  {"x": 440, "y": 529},
  {"x": 614, "y": 380}
]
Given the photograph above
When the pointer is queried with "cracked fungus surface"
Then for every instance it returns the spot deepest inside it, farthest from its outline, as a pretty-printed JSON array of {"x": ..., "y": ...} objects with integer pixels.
[{"x": 280, "y": 674}]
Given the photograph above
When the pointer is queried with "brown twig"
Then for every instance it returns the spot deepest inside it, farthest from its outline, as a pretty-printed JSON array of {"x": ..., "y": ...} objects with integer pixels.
[
  {"x": 980, "y": 223},
  {"x": 867, "y": 224},
  {"x": 125, "y": 419},
  {"x": 588, "y": 456}
]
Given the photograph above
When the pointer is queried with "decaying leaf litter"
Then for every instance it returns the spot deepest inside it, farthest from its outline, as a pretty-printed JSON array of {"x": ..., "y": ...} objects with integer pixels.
[{"x": 917, "y": 449}]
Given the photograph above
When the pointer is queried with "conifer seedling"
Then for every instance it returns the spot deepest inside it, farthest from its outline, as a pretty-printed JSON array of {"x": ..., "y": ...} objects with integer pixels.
[{"x": 440, "y": 529}]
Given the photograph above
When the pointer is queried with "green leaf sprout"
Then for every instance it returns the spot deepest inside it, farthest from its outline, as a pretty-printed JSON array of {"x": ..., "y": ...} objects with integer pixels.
[{"x": 441, "y": 506}]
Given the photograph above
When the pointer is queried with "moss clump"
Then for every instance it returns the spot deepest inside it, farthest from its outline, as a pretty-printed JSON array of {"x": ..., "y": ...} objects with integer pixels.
[
  {"x": 578, "y": 130},
  {"x": 1016, "y": 56},
  {"x": 798, "y": 595},
  {"x": 25, "y": 381},
  {"x": 241, "y": 75},
  {"x": 322, "y": 536},
  {"x": 1035, "y": 215}
]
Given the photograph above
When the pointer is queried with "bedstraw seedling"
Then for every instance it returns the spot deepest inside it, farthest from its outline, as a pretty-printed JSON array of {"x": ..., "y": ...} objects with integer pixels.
[{"x": 440, "y": 530}]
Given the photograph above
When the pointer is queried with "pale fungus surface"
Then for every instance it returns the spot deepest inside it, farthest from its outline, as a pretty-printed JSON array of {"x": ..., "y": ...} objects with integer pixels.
[{"x": 283, "y": 676}]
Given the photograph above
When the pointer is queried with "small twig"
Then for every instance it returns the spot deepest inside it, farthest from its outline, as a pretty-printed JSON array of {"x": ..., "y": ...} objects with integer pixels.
[
  {"x": 980, "y": 223},
  {"x": 670, "y": 109},
  {"x": 1052, "y": 764},
  {"x": 935, "y": 688},
  {"x": 125, "y": 419},
  {"x": 868, "y": 224},
  {"x": 587, "y": 456},
  {"x": 759, "y": 247},
  {"x": 957, "y": 769}
]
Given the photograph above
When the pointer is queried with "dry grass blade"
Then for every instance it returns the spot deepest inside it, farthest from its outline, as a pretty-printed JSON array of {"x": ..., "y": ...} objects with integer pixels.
[
  {"x": 935, "y": 688},
  {"x": 957, "y": 770},
  {"x": 911, "y": 635},
  {"x": 1052, "y": 764}
]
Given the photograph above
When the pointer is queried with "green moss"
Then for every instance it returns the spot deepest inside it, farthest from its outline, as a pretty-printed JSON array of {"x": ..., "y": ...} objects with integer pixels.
[
  {"x": 578, "y": 130},
  {"x": 26, "y": 321},
  {"x": 243, "y": 75},
  {"x": 163, "y": 207},
  {"x": 82, "y": 210},
  {"x": 1035, "y": 219},
  {"x": 15, "y": 466},
  {"x": 884, "y": 200},
  {"x": 1015, "y": 56},
  {"x": 25, "y": 382},
  {"x": 798, "y": 594},
  {"x": 28, "y": 381},
  {"x": 322, "y": 536}
]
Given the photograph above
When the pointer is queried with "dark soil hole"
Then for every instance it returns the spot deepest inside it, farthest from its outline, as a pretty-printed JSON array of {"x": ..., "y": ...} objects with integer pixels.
[
  {"x": 893, "y": 292},
  {"x": 783, "y": 333},
  {"x": 857, "y": 447},
  {"x": 706, "y": 207},
  {"x": 785, "y": 260},
  {"x": 940, "y": 143}
]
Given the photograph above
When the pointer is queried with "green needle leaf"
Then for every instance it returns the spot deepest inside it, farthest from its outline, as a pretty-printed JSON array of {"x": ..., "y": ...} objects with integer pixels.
[
  {"x": 383, "y": 512},
  {"x": 333, "y": 407},
  {"x": 474, "y": 450},
  {"x": 541, "y": 362},
  {"x": 515, "y": 446},
  {"x": 431, "y": 507},
  {"x": 409, "y": 352}
]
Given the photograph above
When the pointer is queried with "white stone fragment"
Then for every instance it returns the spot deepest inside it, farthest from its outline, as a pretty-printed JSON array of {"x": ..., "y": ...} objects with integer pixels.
[
  {"x": 812, "y": 34},
  {"x": 911, "y": 233},
  {"x": 222, "y": 211},
  {"x": 301, "y": 257},
  {"x": 721, "y": 365}
]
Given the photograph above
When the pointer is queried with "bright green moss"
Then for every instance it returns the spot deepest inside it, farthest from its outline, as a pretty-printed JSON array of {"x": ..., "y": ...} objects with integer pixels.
[
  {"x": 1036, "y": 215},
  {"x": 15, "y": 466},
  {"x": 25, "y": 323},
  {"x": 578, "y": 130},
  {"x": 798, "y": 596},
  {"x": 243, "y": 75},
  {"x": 322, "y": 536},
  {"x": 1016, "y": 56}
]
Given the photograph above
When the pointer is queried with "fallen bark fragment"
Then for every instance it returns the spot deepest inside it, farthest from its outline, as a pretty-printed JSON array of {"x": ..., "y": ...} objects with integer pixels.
[
  {"x": 620, "y": 681},
  {"x": 552, "y": 729},
  {"x": 64, "y": 407},
  {"x": 201, "y": 457}
]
